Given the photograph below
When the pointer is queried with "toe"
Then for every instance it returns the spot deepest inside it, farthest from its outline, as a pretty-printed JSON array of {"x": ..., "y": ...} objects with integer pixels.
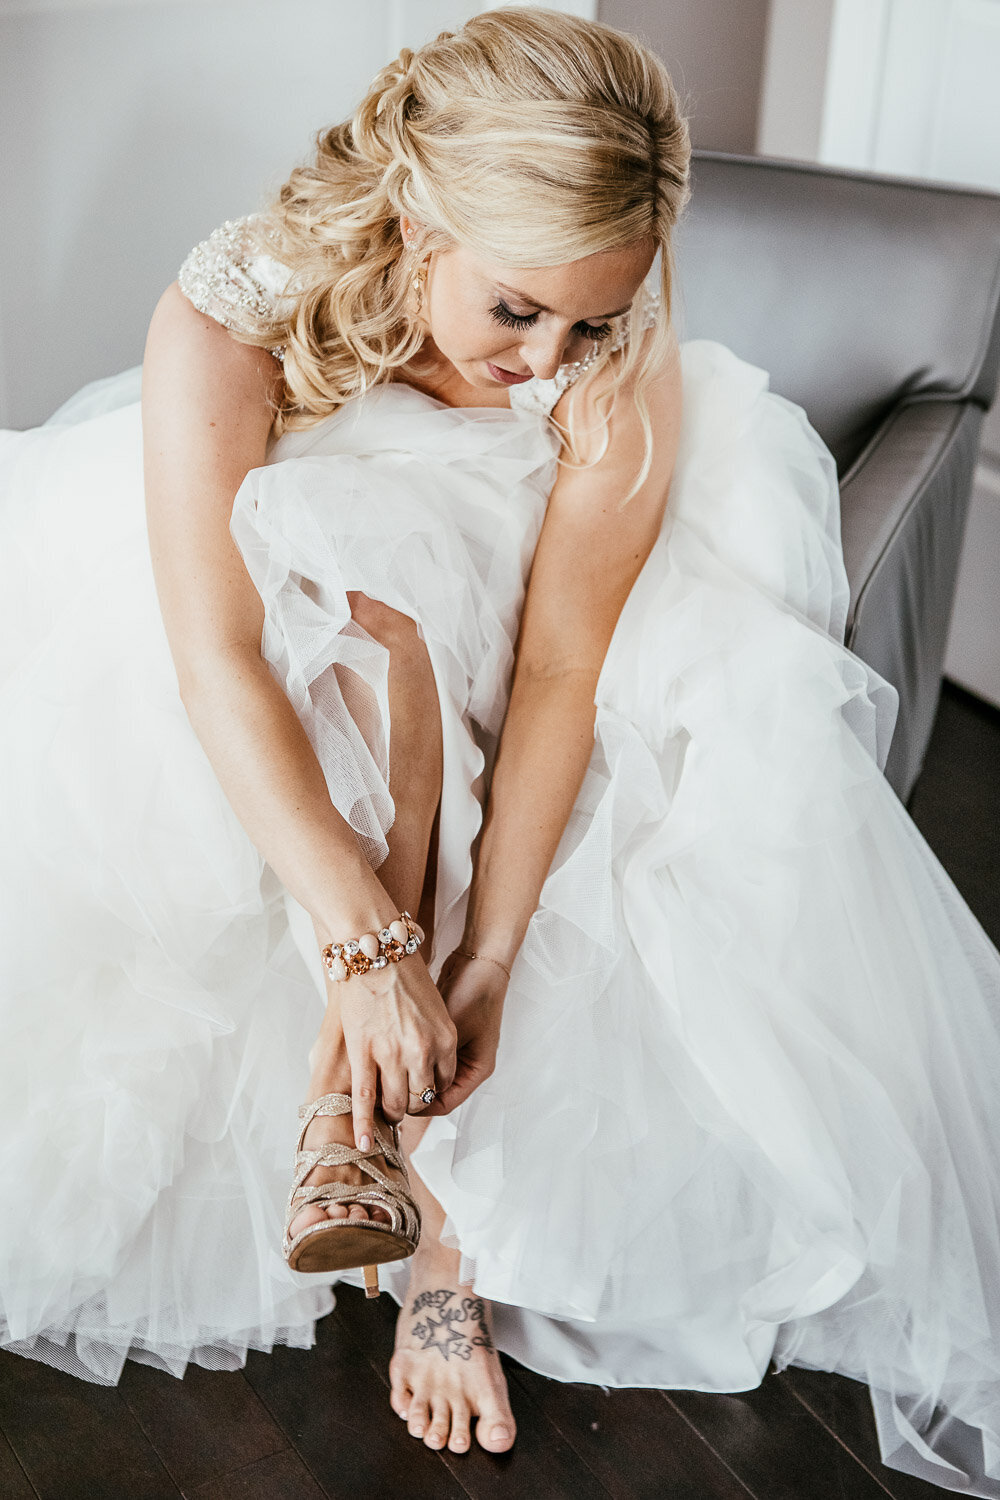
[
  {"x": 400, "y": 1393},
  {"x": 358, "y": 1213},
  {"x": 303, "y": 1219},
  {"x": 418, "y": 1419},
  {"x": 337, "y": 1211},
  {"x": 437, "y": 1432},
  {"x": 495, "y": 1429},
  {"x": 460, "y": 1438}
]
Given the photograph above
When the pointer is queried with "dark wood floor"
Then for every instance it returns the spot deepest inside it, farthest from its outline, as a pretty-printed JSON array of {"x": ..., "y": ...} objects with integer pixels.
[{"x": 302, "y": 1425}]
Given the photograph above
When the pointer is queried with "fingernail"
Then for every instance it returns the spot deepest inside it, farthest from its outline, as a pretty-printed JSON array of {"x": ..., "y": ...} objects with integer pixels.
[
  {"x": 364, "y": 1144},
  {"x": 500, "y": 1434}
]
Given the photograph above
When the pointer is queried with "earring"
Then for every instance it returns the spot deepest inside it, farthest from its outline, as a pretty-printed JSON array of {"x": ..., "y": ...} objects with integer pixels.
[{"x": 418, "y": 285}]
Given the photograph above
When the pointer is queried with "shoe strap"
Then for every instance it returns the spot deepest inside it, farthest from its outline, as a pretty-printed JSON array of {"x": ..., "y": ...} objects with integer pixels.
[
  {"x": 340, "y": 1104},
  {"x": 326, "y": 1193},
  {"x": 336, "y": 1154},
  {"x": 326, "y": 1104},
  {"x": 393, "y": 1196}
]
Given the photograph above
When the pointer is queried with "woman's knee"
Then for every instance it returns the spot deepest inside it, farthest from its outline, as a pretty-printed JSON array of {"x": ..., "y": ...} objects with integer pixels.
[{"x": 392, "y": 629}]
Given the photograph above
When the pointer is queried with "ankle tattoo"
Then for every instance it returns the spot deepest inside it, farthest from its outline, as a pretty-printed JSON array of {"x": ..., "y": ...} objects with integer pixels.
[{"x": 454, "y": 1330}]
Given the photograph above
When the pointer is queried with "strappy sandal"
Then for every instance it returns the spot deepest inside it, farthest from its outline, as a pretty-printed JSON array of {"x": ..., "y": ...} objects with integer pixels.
[{"x": 341, "y": 1244}]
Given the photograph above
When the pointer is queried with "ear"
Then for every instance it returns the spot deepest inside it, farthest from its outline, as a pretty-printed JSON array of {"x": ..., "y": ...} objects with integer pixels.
[{"x": 408, "y": 228}]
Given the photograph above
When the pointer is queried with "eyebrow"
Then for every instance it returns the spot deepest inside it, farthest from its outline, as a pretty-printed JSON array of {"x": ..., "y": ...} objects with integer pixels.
[{"x": 523, "y": 296}]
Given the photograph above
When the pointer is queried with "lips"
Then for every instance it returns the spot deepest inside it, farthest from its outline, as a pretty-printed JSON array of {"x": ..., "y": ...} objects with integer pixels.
[{"x": 506, "y": 377}]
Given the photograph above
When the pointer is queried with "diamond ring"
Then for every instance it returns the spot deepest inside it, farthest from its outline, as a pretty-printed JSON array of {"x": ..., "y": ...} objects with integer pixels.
[{"x": 426, "y": 1096}]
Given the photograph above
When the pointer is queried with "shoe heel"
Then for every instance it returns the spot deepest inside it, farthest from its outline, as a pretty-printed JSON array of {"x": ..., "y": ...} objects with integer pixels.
[{"x": 371, "y": 1281}]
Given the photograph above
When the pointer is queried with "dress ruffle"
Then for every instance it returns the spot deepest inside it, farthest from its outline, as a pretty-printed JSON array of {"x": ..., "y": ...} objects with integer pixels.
[
  {"x": 762, "y": 1023},
  {"x": 155, "y": 1015},
  {"x": 744, "y": 1108}
]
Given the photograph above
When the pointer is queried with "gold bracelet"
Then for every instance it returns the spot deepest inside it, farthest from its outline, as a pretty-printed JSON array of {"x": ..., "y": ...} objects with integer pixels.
[
  {"x": 468, "y": 953},
  {"x": 373, "y": 950}
]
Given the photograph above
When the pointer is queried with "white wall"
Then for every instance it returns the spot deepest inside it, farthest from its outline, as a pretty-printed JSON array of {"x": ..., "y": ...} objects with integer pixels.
[
  {"x": 793, "y": 78},
  {"x": 130, "y": 132},
  {"x": 131, "y": 129},
  {"x": 714, "y": 50}
]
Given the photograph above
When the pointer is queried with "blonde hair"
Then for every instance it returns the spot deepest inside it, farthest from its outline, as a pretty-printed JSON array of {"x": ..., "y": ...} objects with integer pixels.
[{"x": 530, "y": 137}]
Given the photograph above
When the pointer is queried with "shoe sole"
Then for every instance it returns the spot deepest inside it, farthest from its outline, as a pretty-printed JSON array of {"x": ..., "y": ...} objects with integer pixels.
[{"x": 345, "y": 1247}]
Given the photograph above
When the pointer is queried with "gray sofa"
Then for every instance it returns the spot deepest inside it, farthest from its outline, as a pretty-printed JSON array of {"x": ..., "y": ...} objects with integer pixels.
[{"x": 874, "y": 303}]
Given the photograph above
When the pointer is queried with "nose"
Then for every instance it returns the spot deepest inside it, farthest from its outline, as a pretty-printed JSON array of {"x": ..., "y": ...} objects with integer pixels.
[{"x": 543, "y": 352}]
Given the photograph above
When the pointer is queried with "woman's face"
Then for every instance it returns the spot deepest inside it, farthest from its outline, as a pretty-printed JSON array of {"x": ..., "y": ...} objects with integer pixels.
[{"x": 500, "y": 325}]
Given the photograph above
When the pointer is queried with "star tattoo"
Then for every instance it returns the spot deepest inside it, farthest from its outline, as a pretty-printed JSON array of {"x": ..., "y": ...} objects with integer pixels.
[{"x": 456, "y": 1330}]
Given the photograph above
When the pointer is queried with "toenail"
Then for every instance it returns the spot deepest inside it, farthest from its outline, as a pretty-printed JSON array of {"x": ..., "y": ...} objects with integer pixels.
[
  {"x": 418, "y": 1432},
  {"x": 498, "y": 1434}
]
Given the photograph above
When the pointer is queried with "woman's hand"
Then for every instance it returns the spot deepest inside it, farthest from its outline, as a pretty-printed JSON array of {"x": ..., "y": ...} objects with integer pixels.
[
  {"x": 399, "y": 1037},
  {"x": 474, "y": 990}
]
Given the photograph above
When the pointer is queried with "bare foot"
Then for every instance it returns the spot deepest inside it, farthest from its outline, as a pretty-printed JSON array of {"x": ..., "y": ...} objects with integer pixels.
[{"x": 445, "y": 1370}]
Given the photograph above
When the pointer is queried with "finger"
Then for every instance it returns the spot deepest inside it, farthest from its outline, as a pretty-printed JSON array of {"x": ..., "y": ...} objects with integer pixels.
[
  {"x": 422, "y": 1076},
  {"x": 471, "y": 1073},
  {"x": 418, "y": 1104},
  {"x": 364, "y": 1092},
  {"x": 446, "y": 970},
  {"x": 445, "y": 1069},
  {"x": 395, "y": 1091}
]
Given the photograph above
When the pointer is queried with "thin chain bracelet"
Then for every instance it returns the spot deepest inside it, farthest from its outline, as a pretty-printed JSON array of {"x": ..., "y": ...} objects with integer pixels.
[
  {"x": 468, "y": 953},
  {"x": 373, "y": 950}
]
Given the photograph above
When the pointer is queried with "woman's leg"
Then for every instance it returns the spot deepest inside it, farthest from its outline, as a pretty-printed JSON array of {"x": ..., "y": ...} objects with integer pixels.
[
  {"x": 445, "y": 1369},
  {"x": 416, "y": 760},
  {"x": 440, "y": 1378}
]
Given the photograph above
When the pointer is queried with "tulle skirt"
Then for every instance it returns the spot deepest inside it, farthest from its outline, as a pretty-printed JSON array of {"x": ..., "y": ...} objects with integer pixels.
[{"x": 745, "y": 1107}]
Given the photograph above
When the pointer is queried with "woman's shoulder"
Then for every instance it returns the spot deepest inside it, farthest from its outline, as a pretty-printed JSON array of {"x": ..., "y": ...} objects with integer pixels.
[{"x": 232, "y": 277}]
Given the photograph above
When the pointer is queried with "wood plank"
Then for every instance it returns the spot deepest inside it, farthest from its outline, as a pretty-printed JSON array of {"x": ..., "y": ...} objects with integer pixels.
[
  {"x": 844, "y": 1407},
  {"x": 636, "y": 1443},
  {"x": 541, "y": 1461},
  {"x": 14, "y": 1484},
  {"x": 204, "y": 1426},
  {"x": 76, "y": 1440},
  {"x": 332, "y": 1408},
  {"x": 280, "y": 1476},
  {"x": 776, "y": 1447}
]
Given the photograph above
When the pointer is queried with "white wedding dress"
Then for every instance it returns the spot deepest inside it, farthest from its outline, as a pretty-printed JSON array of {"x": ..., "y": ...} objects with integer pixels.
[{"x": 747, "y": 1102}]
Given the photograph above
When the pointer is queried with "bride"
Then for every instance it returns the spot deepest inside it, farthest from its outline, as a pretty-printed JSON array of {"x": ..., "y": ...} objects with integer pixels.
[{"x": 476, "y": 654}]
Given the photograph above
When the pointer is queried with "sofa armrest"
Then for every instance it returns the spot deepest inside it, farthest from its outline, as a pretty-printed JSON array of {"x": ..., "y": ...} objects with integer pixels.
[{"x": 903, "y": 509}]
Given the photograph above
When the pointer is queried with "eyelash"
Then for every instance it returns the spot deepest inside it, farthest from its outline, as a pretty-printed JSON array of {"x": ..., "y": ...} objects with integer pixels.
[{"x": 509, "y": 319}]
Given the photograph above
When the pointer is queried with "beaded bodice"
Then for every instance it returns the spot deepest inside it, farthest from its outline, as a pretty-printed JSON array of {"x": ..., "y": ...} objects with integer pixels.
[{"x": 231, "y": 277}]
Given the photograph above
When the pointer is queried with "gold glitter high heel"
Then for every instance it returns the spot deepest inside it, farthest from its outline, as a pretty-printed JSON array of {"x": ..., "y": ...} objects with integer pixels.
[{"x": 341, "y": 1244}]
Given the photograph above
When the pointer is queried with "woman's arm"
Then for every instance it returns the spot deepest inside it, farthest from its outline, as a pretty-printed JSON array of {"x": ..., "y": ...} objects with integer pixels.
[
  {"x": 207, "y": 413},
  {"x": 589, "y": 554}
]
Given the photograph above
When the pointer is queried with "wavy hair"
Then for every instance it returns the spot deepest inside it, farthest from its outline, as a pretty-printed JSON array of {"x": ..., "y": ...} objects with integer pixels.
[{"x": 530, "y": 137}]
